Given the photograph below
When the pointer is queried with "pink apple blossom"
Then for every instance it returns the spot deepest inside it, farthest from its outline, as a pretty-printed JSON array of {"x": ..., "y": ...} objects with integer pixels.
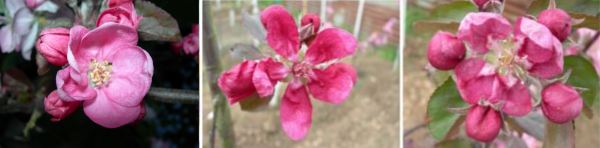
[
  {"x": 52, "y": 44},
  {"x": 107, "y": 72},
  {"x": 315, "y": 74}
]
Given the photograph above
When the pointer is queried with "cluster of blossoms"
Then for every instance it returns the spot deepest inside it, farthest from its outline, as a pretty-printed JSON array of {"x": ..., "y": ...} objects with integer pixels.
[
  {"x": 313, "y": 73},
  {"x": 497, "y": 66},
  {"x": 103, "y": 68}
]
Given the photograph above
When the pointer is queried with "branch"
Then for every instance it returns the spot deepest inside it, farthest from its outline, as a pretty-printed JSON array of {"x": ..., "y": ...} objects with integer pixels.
[{"x": 169, "y": 95}]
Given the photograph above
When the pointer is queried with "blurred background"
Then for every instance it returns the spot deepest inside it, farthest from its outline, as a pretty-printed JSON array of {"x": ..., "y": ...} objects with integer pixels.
[
  {"x": 423, "y": 19},
  {"x": 172, "y": 111},
  {"x": 368, "y": 118}
]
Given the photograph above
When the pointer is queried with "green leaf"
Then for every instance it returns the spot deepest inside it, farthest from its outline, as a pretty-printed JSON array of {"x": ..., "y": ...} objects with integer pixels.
[
  {"x": 453, "y": 11},
  {"x": 434, "y": 26},
  {"x": 156, "y": 24},
  {"x": 583, "y": 75},
  {"x": 440, "y": 118},
  {"x": 559, "y": 135},
  {"x": 454, "y": 143}
]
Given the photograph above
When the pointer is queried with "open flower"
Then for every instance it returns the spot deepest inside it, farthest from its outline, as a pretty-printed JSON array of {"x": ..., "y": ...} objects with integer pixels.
[
  {"x": 107, "y": 72},
  {"x": 315, "y": 74}
]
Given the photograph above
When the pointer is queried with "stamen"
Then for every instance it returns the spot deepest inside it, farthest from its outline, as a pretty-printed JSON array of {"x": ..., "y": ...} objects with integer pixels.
[{"x": 99, "y": 72}]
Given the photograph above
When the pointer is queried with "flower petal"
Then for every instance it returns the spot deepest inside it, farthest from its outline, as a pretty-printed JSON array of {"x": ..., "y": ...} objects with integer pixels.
[
  {"x": 539, "y": 41},
  {"x": 295, "y": 111},
  {"x": 109, "y": 114},
  {"x": 73, "y": 86},
  {"x": 127, "y": 59},
  {"x": 476, "y": 28},
  {"x": 487, "y": 88},
  {"x": 127, "y": 90},
  {"x": 76, "y": 35},
  {"x": 518, "y": 101},
  {"x": 334, "y": 84},
  {"x": 266, "y": 75},
  {"x": 22, "y": 22},
  {"x": 282, "y": 33},
  {"x": 329, "y": 44},
  {"x": 236, "y": 83}
]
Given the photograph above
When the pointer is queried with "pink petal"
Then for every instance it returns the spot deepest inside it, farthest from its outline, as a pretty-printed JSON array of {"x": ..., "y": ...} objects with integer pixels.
[
  {"x": 127, "y": 90},
  {"x": 518, "y": 101},
  {"x": 329, "y": 44},
  {"x": 57, "y": 108},
  {"x": 295, "y": 111},
  {"x": 73, "y": 86},
  {"x": 334, "y": 84},
  {"x": 549, "y": 69},
  {"x": 236, "y": 83},
  {"x": 538, "y": 43},
  {"x": 266, "y": 75},
  {"x": 109, "y": 114},
  {"x": 469, "y": 69},
  {"x": 109, "y": 38},
  {"x": 282, "y": 33},
  {"x": 76, "y": 35},
  {"x": 476, "y": 28},
  {"x": 483, "y": 123},
  {"x": 127, "y": 59},
  {"x": 487, "y": 88}
]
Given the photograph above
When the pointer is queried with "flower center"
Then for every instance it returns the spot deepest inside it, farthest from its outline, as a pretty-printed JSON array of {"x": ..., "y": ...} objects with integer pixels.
[
  {"x": 99, "y": 72},
  {"x": 503, "y": 54},
  {"x": 301, "y": 70}
]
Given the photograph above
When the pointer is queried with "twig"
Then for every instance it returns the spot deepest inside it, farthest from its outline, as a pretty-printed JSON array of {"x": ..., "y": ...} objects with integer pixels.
[
  {"x": 222, "y": 117},
  {"x": 414, "y": 129},
  {"x": 174, "y": 95}
]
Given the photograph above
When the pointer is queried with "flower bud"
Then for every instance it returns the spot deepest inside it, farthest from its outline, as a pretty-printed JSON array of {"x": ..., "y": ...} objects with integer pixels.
[
  {"x": 52, "y": 44},
  {"x": 558, "y": 21},
  {"x": 58, "y": 108},
  {"x": 561, "y": 103},
  {"x": 483, "y": 123},
  {"x": 445, "y": 51}
]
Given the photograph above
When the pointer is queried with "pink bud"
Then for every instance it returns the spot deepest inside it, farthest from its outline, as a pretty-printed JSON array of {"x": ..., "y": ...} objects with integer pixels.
[
  {"x": 561, "y": 103},
  {"x": 52, "y": 44},
  {"x": 313, "y": 19},
  {"x": 558, "y": 21},
  {"x": 445, "y": 51},
  {"x": 58, "y": 108},
  {"x": 483, "y": 123}
]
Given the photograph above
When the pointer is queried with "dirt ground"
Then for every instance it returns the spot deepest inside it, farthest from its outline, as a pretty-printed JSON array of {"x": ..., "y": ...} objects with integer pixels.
[
  {"x": 370, "y": 117},
  {"x": 418, "y": 88}
]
